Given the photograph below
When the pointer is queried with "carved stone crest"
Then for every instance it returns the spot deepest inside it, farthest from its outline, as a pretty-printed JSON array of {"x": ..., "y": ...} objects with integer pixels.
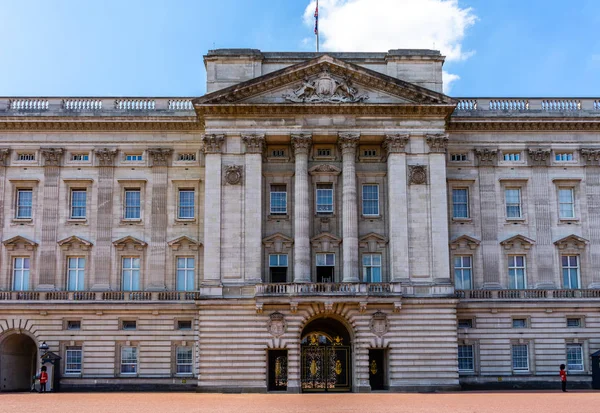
[
  {"x": 326, "y": 89},
  {"x": 379, "y": 324},
  {"x": 52, "y": 156},
  {"x": 105, "y": 156},
  {"x": 160, "y": 156},
  {"x": 213, "y": 143},
  {"x": 590, "y": 156},
  {"x": 539, "y": 156},
  {"x": 254, "y": 143},
  {"x": 438, "y": 143},
  {"x": 233, "y": 174},
  {"x": 396, "y": 143},
  {"x": 417, "y": 174},
  {"x": 487, "y": 157},
  {"x": 276, "y": 324}
]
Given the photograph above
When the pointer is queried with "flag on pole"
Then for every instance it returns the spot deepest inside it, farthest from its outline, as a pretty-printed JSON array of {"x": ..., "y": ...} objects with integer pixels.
[{"x": 317, "y": 19}]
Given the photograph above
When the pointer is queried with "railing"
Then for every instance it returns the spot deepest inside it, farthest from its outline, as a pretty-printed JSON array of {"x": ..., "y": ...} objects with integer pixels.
[
  {"x": 527, "y": 105},
  {"x": 33, "y": 104},
  {"x": 534, "y": 294},
  {"x": 82, "y": 104},
  {"x": 135, "y": 104},
  {"x": 68, "y": 105},
  {"x": 325, "y": 289},
  {"x": 100, "y": 295}
]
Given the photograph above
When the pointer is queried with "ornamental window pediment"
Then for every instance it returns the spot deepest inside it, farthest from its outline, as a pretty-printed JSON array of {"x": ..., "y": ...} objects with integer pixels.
[
  {"x": 571, "y": 242},
  {"x": 74, "y": 242},
  {"x": 129, "y": 242},
  {"x": 325, "y": 242},
  {"x": 324, "y": 169},
  {"x": 518, "y": 242},
  {"x": 20, "y": 242},
  {"x": 372, "y": 242},
  {"x": 464, "y": 242},
  {"x": 278, "y": 243},
  {"x": 184, "y": 242}
]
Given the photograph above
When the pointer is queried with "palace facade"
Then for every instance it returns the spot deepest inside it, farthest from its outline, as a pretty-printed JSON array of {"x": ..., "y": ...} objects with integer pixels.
[{"x": 316, "y": 222}]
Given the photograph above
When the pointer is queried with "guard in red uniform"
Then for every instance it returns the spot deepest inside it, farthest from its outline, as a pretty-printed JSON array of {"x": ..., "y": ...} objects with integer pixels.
[
  {"x": 563, "y": 377},
  {"x": 43, "y": 379}
]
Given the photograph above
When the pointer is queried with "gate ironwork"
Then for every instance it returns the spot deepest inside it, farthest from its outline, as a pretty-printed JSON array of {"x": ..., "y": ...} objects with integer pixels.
[{"x": 325, "y": 364}]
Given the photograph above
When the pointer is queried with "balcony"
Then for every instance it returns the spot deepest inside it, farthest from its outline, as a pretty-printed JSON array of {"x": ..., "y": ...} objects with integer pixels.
[
  {"x": 328, "y": 289},
  {"x": 541, "y": 107},
  {"x": 103, "y": 296},
  {"x": 488, "y": 295}
]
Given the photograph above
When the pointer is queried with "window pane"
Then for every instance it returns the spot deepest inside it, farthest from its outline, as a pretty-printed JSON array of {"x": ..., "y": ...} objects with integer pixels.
[
  {"x": 574, "y": 357},
  {"x": 186, "y": 204},
  {"x": 132, "y": 204},
  {"x": 370, "y": 200},
  {"x": 465, "y": 358},
  {"x": 78, "y": 203},
  {"x": 520, "y": 357},
  {"x": 278, "y": 199},
  {"x": 273, "y": 260},
  {"x": 24, "y": 203},
  {"x": 325, "y": 198}
]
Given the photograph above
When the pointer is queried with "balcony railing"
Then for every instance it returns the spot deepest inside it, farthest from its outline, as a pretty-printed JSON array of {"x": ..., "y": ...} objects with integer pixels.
[
  {"x": 99, "y": 295},
  {"x": 536, "y": 294},
  {"x": 524, "y": 105},
  {"x": 67, "y": 106},
  {"x": 311, "y": 289}
]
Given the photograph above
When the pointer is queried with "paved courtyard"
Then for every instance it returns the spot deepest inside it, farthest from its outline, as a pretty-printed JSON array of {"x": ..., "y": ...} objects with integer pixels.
[{"x": 464, "y": 402}]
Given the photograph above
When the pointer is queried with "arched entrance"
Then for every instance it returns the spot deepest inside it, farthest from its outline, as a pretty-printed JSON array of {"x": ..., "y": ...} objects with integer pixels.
[
  {"x": 18, "y": 362},
  {"x": 325, "y": 357}
]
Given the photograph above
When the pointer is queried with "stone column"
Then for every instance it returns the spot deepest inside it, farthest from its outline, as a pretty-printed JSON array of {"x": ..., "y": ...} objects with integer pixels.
[
  {"x": 592, "y": 193},
  {"x": 158, "y": 219},
  {"x": 212, "y": 209},
  {"x": 348, "y": 143},
  {"x": 48, "y": 247},
  {"x": 103, "y": 248},
  {"x": 544, "y": 249},
  {"x": 487, "y": 159},
  {"x": 4, "y": 159},
  {"x": 438, "y": 144},
  {"x": 253, "y": 208},
  {"x": 301, "y": 145},
  {"x": 395, "y": 146}
]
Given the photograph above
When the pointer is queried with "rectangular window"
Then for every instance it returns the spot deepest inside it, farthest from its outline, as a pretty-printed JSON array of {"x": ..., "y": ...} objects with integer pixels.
[
  {"x": 184, "y": 324},
  {"x": 513, "y": 202},
  {"x": 185, "y": 273},
  {"x": 129, "y": 360},
  {"x": 463, "y": 270},
  {"x": 323, "y": 152},
  {"x": 574, "y": 357},
  {"x": 370, "y": 153},
  {"x": 325, "y": 260},
  {"x": 563, "y": 156},
  {"x": 325, "y": 267},
  {"x": 570, "y": 271},
  {"x": 131, "y": 274},
  {"x": 519, "y": 323},
  {"x": 26, "y": 157},
  {"x": 520, "y": 357},
  {"x": 278, "y": 153},
  {"x": 128, "y": 325},
  {"x": 73, "y": 357},
  {"x": 186, "y": 204},
  {"x": 132, "y": 204},
  {"x": 79, "y": 157},
  {"x": 324, "y": 198},
  {"x": 24, "y": 203},
  {"x": 460, "y": 203},
  {"x": 465, "y": 358},
  {"x": 517, "y": 272},
  {"x": 187, "y": 157},
  {"x": 574, "y": 322},
  {"x": 75, "y": 273},
  {"x": 278, "y": 265},
  {"x": 371, "y": 268},
  {"x": 21, "y": 267},
  {"x": 566, "y": 203},
  {"x": 133, "y": 157},
  {"x": 459, "y": 157},
  {"x": 78, "y": 203},
  {"x": 512, "y": 156},
  {"x": 184, "y": 360},
  {"x": 465, "y": 323},
  {"x": 74, "y": 325},
  {"x": 370, "y": 199},
  {"x": 278, "y": 200}
]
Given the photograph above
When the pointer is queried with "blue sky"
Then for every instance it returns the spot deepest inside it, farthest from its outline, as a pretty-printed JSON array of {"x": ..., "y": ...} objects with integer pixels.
[{"x": 155, "y": 48}]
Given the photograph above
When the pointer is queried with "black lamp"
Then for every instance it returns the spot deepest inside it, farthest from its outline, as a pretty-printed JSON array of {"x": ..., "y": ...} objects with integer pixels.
[{"x": 44, "y": 347}]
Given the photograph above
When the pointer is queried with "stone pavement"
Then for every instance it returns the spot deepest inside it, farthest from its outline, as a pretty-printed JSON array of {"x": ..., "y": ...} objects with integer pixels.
[{"x": 463, "y": 402}]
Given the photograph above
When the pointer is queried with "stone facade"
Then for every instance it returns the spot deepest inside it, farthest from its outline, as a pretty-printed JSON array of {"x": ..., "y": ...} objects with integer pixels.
[{"x": 315, "y": 222}]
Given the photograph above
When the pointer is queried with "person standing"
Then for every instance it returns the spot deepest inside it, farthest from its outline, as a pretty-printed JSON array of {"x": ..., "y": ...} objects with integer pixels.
[
  {"x": 563, "y": 377},
  {"x": 43, "y": 380}
]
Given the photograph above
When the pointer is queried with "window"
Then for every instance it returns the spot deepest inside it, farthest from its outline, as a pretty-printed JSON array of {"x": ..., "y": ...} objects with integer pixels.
[
  {"x": 566, "y": 204},
  {"x": 187, "y": 157},
  {"x": 460, "y": 203},
  {"x": 371, "y": 268},
  {"x": 520, "y": 357},
  {"x": 186, "y": 204},
  {"x": 128, "y": 325},
  {"x": 24, "y": 203},
  {"x": 131, "y": 274},
  {"x": 278, "y": 264},
  {"x": 78, "y": 203},
  {"x": 516, "y": 272},
  {"x": 511, "y": 156},
  {"x": 74, "y": 325},
  {"x": 574, "y": 322},
  {"x": 323, "y": 152},
  {"x": 370, "y": 199},
  {"x": 26, "y": 157},
  {"x": 278, "y": 153},
  {"x": 278, "y": 200},
  {"x": 79, "y": 157},
  {"x": 574, "y": 357},
  {"x": 563, "y": 156},
  {"x": 459, "y": 157},
  {"x": 465, "y": 357},
  {"x": 75, "y": 273},
  {"x": 184, "y": 324},
  {"x": 128, "y": 360},
  {"x": 73, "y": 357},
  {"x": 184, "y": 360},
  {"x": 325, "y": 260},
  {"x": 21, "y": 266},
  {"x": 519, "y": 323},
  {"x": 324, "y": 198},
  {"x": 465, "y": 323},
  {"x": 132, "y": 204},
  {"x": 570, "y": 271},
  {"x": 370, "y": 153},
  {"x": 133, "y": 157},
  {"x": 463, "y": 272},
  {"x": 513, "y": 202},
  {"x": 185, "y": 273},
  {"x": 325, "y": 267}
]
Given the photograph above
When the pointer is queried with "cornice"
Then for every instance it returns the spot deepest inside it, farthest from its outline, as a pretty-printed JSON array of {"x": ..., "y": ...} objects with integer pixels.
[
  {"x": 188, "y": 123},
  {"x": 524, "y": 125}
]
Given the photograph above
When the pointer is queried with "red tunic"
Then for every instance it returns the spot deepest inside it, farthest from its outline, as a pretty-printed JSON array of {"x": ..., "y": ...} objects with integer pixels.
[
  {"x": 43, "y": 377},
  {"x": 563, "y": 375}
]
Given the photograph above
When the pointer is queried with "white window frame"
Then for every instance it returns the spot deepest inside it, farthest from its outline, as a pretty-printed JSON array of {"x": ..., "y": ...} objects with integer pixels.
[
  {"x": 25, "y": 157},
  {"x": 459, "y": 157},
  {"x": 466, "y": 203},
  {"x": 520, "y": 368},
  {"x": 133, "y": 157},
  {"x": 324, "y": 255},
  {"x": 188, "y": 363},
  {"x": 126, "y": 206},
  {"x": 513, "y": 267},
  {"x": 365, "y": 199},
  {"x": 284, "y": 193},
  {"x": 19, "y": 273},
  {"x": 181, "y": 216},
  {"x": 186, "y": 157},
  {"x": 70, "y": 351},
  {"x": 512, "y": 156},
  {"x": 368, "y": 264},
  {"x": 571, "y": 203},
  {"x": 466, "y": 357},
  {"x": 513, "y": 204},
  {"x": 131, "y": 361},
  {"x": 85, "y": 157},
  {"x": 72, "y": 206},
  {"x": 186, "y": 271},
  {"x": 579, "y": 348},
  {"x": 518, "y": 320},
  {"x": 19, "y": 204},
  {"x": 559, "y": 156},
  {"x": 461, "y": 269},
  {"x": 132, "y": 270},
  {"x": 579, "y": 322},
  {"x": 330, "y": 207},
  {"x": 568, "y": 267},
  {"x": 76, "y": 271}
]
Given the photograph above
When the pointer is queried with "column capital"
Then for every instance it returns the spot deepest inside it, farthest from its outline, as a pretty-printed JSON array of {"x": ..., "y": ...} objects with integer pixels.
[
  {"x": 255, "y": 143},
  {"x": 213, "y": 143},
  {"x": 160, "y": 156},
  {"x": 438, "y": 142},
  {"x": 539, "y": 156},
  {"x": 486, "y": 156},
  {"x": 301, "y": 142},
  {"x": 396, "y": 143},
  {"x": 52, "y": 156},
  {"x": 4, "y": 152},
  {"x": 105, "y": 156},
  {"x": 591, "y": 156},
  {"x": 348, "y": 141}
]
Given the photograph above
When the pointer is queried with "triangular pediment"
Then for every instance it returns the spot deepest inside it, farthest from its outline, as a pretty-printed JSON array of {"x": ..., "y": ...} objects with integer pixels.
[
  {"x": 278, "y": 236},
  {"x": 13, "y": 242},
  {"x": 325, "y": 242},
  {"x": 73, "y": 240},
  {"x": 571, "y": 241},
  {"x": 464, "y": 242},
  {"x": 372, "y": 241},
  {"x": 278, "y": 242},
  {"x": 184, "y": 240},
  {"x": 325, "y": 80},
  {"x": 518, "y": 241},
  {"x": 131, "y": 241}
]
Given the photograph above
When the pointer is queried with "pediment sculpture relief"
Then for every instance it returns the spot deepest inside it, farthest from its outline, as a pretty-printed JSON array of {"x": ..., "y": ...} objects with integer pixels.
[{"x": 326, "y": 89}]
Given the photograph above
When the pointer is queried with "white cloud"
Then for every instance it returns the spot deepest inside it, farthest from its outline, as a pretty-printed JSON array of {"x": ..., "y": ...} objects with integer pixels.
[
  {"x": 448, "y": 79},
  {"x": 380, "y": 25}
]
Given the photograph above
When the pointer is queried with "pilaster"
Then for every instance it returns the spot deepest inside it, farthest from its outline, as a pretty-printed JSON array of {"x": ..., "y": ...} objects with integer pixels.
[
  {"x": 348, "y": 143},
  {"x": 302, "y": 271},
  {"x": 591, "y": 157}
]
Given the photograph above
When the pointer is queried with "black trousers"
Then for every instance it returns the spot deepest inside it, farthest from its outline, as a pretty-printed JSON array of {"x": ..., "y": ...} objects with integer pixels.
[
  {"x": 564, "y": 385},
  {"x": 43, "y": 387}
]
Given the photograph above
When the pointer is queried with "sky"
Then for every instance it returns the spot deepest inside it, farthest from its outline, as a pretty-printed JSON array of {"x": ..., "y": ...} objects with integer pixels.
[{"x": 493, "y": 48}]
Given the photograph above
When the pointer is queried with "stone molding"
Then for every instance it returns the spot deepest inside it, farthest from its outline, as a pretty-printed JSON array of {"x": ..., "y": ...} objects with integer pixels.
[
  {"x": 160, "y": 156},
  {"x": 69, "y": 242},
  {"x": 233, "y": 174},
  {"x": 325, "y": 242},
  {"x": 523, "y": 125},
  {"x": 348, "y": 142},
  {"x": 324, "y": 169},
  {"x": 417, "y": 174},
  {"x": 177, "y": 243},
  {"x": 278, "y": 242},
  {"x": 516, "y": 242},
  {"x": 372, "y": 242},
  {"x": 14, "y": 242},
  {"x": 56, "y": 124},
  {"x": 301, "y": 143},
  {"x": 438, "y": 143},
  {"x": 255, "y": 143},
  {"x": 213, "y": 143},
  {"x": 324, "y": 88},
  {"x": 539, "y": 156},
  {"x": 106, "y": 156},
  {"x": 396, "y": 143},
  {"x": 137, "y": 244},
  {"x": 591, "y": 156},
  {"x": 572, "y": 242},
  {"x": 486, "y": 157},
  {"x": 52, "y": 156},
  {"x": 464, "y": 242},
  {"x": 4, "y": 152}
]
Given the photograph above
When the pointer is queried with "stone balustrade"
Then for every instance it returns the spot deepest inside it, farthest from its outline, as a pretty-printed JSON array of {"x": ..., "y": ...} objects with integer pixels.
[
  {"x": 314, "y": 289},
  {"x": 532, "y": 294},
  {"x": 524, "y": 105},
  {"x": 99, "y": 295},
  {"x": 66, "y": 106}
]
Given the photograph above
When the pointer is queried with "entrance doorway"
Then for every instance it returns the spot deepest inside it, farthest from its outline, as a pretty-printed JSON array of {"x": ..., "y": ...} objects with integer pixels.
[
  {"x": 18, "y": 362},
  {"x": 277, "y": 370},
  {"x": 325, "y": 357},
  {"x": 377, "y": 369}
]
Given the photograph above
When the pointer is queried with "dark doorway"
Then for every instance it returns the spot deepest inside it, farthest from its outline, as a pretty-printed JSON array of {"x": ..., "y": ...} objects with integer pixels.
[
  {"x": 377, "y": 369},
  {"x": 18, "y": 362},
  {"x": 325, "y": 274},
  {"x": 278, "y": 274},
  {"x": 277, "y": 370}
]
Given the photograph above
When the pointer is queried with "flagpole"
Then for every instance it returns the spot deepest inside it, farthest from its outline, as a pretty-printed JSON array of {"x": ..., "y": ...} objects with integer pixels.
[{"x": 317, "y": 25}]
